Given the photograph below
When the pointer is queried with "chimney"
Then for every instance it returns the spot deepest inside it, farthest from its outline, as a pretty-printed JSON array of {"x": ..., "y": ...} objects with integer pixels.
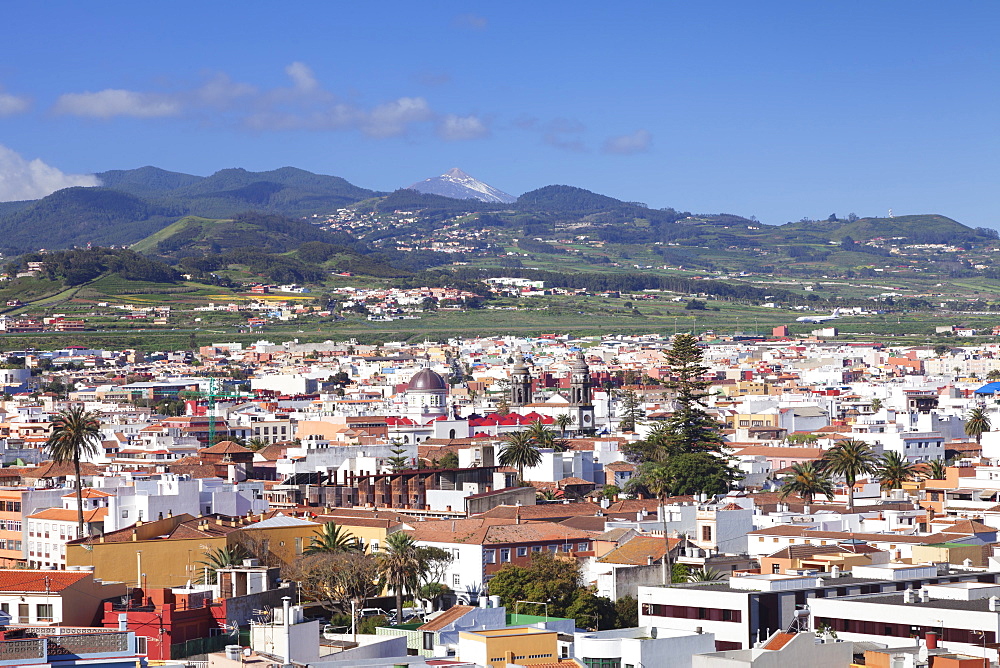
[
  {"x": 994, "y": 607},
  {"x": 924, "y": 595},
  {"x": 931, "y": 639},
  {"x": 908, "y": 595},
  {"x": 649, "y": 560}
]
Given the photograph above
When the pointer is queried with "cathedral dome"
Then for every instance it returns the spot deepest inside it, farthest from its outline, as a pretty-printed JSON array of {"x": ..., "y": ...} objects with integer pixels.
[{"x": 427, "y": 380}]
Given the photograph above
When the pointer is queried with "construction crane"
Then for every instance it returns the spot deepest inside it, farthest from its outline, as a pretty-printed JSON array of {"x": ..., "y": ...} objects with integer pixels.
[{"x": 213, "y": 394}]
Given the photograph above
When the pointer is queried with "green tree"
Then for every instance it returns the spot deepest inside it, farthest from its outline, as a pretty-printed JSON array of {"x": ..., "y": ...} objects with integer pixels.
[
  {"x": 75, "y": 433},
  {"x": 220, "y": 557},
  {"x": 850, "y": 458},
  {"x": 936, "y": 470},
  {"x": 256, "y": 443},
  {"x": 332, "y": 539},
  {"x": 610, "y": 492},
  {"x": 590, "y": 611},
  {"x": 562, "y": 421},
  {"x": 399, "y": 566},
  {"x": 626, "y": 612},
  {"x": 449, "y": 460},
  {"x": 631, "y": 411},
  {"x": 519, "y": 450},
  {"x": 876, "y": 405},
  {"x": 807, "y": 480},
  {"x": 545, "y": 437},
  {"x": 399, "y": 461},
  {"x": 977, "y": 422},
  {"x": 546, "y": 578},
  {"x": 706, "y": 574},
  {"x": 894, "y": 470}
]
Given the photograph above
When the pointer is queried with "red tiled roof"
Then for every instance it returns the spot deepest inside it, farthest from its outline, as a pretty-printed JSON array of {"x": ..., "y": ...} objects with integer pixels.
[
  {"x": 39, "y": 581},
  {"x": 779, "y": 641},
  {"x": 447, "y": 617}
]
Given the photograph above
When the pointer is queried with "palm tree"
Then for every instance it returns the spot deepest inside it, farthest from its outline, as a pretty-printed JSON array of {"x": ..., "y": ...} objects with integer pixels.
[
  {"x": 220, "y": 557},
  {"x": 706, "y": 574},
  {"x": 75, "y": 433},
  {"x": 894, "y": 470},
  {"x": 399, "y": 565},
  {"x": 332, "y": 539},
  {"x": 807, "y": 480},
  {"x": 658, "y": 481},
  {"x": 520, "y": 451},
  {"x": 562, "y": 421},
  {"x": 850, "y": 458},
  {"x": 256, "y": 443},
  {"x": 936, "y": 470},
  {"x": 876, "y": 404},
  {"x": 977, "y": 423}
]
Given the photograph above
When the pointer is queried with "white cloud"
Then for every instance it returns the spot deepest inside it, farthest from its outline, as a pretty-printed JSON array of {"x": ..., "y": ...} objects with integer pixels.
[
  {"x": 302, "y": 76},
  {"x": 393, "y": 118},
  {"x": 460, "y": 128},
  {"x": 22, "y": 179},
  {"x": 637, "y": 142},
  {"x": 113, "y": 102},
  {"x": 471, "y": 22},
  {"x": 220, "y": 91},
  {"x": 13, "y": 104},
  {"x": 302, "y": 105}
]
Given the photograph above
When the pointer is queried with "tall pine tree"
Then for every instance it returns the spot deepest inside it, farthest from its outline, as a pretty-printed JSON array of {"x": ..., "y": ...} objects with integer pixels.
[{"x": 688, "y": 448}]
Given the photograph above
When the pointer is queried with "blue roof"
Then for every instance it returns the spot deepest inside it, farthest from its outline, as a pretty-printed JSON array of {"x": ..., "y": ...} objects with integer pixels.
[{"x": 989, "y": 388}]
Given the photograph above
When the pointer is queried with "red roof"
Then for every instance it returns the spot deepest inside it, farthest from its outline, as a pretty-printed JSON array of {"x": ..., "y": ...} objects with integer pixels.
[{"x": 40, "y": 581}]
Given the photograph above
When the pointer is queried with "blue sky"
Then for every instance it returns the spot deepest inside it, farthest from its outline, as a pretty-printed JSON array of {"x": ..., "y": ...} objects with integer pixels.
[{"x": 775, "y": 109}]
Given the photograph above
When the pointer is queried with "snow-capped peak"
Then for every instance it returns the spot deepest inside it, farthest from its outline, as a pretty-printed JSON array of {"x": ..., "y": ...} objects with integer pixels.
[{"x": 457, "y": 184}]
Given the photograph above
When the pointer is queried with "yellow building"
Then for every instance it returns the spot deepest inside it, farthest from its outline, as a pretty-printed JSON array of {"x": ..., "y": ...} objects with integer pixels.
[
  {"x": 524, "y": 645},
  {"x": 168, "y": 552}
]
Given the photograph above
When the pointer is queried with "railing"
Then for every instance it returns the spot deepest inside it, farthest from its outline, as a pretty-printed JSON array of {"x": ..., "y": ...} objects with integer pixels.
[
  {"x": 21, "y": 650},
  {"x": 89, "y": 643}
]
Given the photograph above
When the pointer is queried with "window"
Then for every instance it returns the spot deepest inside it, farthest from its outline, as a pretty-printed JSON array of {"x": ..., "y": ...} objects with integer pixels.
[
  {"x": 776, "y": 568},
  {"x": 706, "y": 532},
  {"x": 124, "y": 514},
  {"x": 43, "y": 612},
  {"x": 504, "y": 555},
  {"x": 536, "y": 548},
  {"x": 456, "y": 580},
  {"x": 522, "y": 551},
  {"x": 298, "y": 545},
  {"x": 553, "y": 548},
  {"x": 583, "y": 547},
  {"x": 490, "y": 556}
]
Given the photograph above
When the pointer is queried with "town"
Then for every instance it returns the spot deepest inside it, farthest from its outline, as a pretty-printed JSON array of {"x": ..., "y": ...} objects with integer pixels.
[{"x": 483, "y": 501}]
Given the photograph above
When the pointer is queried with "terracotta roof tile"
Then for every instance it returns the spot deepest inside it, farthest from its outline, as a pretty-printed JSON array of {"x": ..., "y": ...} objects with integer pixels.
[
  {"x": 39, "y": 581},
  {"x": 447, "y": 617}
]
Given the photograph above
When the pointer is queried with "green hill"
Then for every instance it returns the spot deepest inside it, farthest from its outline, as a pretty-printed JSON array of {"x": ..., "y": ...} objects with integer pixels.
[
  {"x": 146, "y": 181},
  {"x": 265, "y": 233},
  {"x": 78, "y": 216},
  {"x": 915, "y": 229}
]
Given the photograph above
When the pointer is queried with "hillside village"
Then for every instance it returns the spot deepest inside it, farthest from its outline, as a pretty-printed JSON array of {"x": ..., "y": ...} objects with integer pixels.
[{"x": 224, "y": 485}]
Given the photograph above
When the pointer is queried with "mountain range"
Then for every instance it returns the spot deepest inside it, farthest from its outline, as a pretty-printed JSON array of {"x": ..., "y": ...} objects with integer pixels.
[{"x": 147, "y": 203}]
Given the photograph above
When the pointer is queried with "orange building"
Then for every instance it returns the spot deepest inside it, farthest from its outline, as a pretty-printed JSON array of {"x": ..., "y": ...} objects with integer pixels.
[{"x": 11, "y": 537}]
